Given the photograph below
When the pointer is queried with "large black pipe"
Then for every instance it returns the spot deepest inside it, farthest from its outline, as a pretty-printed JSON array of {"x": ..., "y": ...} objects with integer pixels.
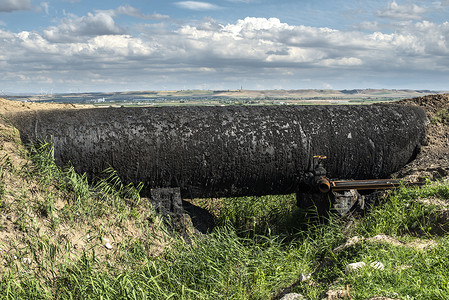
[{"x": 231, "y": 151}]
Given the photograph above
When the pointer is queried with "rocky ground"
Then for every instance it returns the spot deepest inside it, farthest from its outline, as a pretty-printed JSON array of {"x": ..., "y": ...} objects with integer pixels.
[{"x": 433, "y": 160}]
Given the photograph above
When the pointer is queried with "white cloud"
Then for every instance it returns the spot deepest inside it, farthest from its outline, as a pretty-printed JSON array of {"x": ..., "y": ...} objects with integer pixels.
[
  {"x": 73, "y": 28},
  {"x": 94, "y": 49},
  {"x": 196, "y": 5},
  {"x": 370, "y": 26},
  {"x": 402, "y": 12},
  {"x": 6, "y": 35},
  {"x": 260, "y": 43},
  {"x": 134, "y": 12},
  {"x": 121, "y": 45},
  {"x": 13, "y": 5},
  {"x": 341, "y": 62},
  {"x": 76, "y": 28}
]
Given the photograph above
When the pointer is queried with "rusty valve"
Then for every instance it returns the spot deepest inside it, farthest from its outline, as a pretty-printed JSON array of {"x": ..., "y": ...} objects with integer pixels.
[{"x": 323, "y": 185}]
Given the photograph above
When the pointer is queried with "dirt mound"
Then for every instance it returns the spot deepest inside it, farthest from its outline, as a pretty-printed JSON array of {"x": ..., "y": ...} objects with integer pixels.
[
  {"x": 8, "y": 107},
  {"x": 42, "y": 220},
  {"x": 431, "y": 104},
  {"x": 433, "y": 160}
]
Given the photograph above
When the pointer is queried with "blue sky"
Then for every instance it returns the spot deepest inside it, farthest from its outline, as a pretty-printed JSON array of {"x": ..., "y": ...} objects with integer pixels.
[{"x": 81, "y": 45}]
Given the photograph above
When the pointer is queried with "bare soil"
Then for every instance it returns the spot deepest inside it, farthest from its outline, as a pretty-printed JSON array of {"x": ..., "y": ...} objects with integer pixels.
[
  {"x": 21, "y": 194},
  {"x": 8, "y": 107},
  {"x": 433, "y": 160}
]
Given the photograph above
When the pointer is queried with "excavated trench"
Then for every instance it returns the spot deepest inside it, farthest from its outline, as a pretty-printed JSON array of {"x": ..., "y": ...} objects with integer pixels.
[{"x": 230, "y": 151}]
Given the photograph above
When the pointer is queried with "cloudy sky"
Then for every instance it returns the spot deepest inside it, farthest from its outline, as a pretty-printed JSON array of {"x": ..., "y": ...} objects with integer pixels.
[{"x": 110, "y": 45}]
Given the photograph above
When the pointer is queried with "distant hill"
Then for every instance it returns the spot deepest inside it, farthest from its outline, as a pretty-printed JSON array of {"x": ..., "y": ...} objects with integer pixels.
[{"x": 230, "y": 97}]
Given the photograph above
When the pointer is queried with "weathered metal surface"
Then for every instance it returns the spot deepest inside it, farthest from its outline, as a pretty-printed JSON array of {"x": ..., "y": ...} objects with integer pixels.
[
  {"x": 373, "y": 184},
  {"x": 231, "y": 151}
]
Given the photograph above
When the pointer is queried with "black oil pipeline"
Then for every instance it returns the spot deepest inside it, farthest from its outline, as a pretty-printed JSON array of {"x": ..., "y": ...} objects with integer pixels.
[{"x": 233, "y": 150}]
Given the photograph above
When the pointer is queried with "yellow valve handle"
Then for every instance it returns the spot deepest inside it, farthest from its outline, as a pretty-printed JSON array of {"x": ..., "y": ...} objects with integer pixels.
[{"x": 320, "y": 156}]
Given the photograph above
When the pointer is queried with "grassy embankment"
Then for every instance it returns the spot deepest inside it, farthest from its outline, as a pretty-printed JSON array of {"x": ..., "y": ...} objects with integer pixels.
[{"x": 63, "y": 238}]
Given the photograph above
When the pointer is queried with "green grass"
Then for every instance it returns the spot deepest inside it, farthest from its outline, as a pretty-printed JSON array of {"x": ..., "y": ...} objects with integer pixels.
[
  {"x": 408, "y": 273},
  {"x": 4, "y": 167},
  {"x": 442, "y": 116},
  {"x": 397, "y": 215},
  {"x": 261, "y": 245}
]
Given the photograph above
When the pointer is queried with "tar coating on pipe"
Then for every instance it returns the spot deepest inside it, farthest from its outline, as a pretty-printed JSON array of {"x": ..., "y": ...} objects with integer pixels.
[{"x": 231, "y": 151}]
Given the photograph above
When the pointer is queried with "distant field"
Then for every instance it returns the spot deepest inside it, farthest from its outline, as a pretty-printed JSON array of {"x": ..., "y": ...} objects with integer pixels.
[{"x": 230, "y": 97}]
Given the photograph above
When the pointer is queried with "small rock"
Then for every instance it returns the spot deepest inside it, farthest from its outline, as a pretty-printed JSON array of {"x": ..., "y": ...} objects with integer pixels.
[
  {"x": 26, "y": 260},
  {"x": 386, "y": 239},
  {"x": 336, "y": 294},
  {"x": 377, "y": 265},
  {"x": 107, "y": 243},
  {"x": 354, "y": 267},
  {"x": 293, "y": 296},
  {"x": 9, "y": 218},
  {"x": 305, "y": 277},
  {"x": 442, "y": 172},
  {"x": 15, "y": 257}
]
